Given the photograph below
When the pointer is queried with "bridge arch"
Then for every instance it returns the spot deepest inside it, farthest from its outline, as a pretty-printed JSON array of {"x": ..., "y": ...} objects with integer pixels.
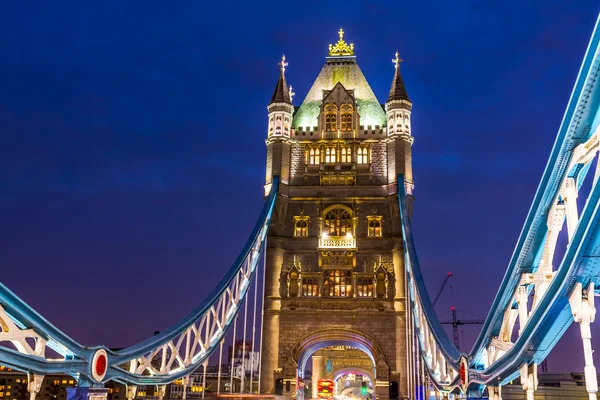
[
  {"x": 353, "y": 370},
  {"x": 322, "y": 338}
]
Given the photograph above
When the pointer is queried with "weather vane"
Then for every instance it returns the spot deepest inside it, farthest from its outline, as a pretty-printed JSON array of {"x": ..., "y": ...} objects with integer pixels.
[
  {"x": 397, "y": 60},
  {"x": 283, "y": 64}
]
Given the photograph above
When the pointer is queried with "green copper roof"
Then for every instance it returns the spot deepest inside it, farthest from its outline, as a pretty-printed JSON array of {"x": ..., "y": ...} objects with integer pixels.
[{"x": 349, "y": 74}]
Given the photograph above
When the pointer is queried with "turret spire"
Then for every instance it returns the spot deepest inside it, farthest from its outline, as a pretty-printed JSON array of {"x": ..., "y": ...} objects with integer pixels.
[
  {"x": 398, "y": 90},
  {"x": 281, "y": 93}
]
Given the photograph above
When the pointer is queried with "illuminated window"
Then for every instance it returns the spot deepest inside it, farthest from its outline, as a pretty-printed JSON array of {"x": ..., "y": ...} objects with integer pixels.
[
  {"x": 362, "y": 155},
  {"x": 338, "y": 222},
  {"x": 365, "y": 287},
  {"x": 64, "y": 382},
  {"x": 346, "y": 118},
  {"x": 330, "y": 155},
  {"x": 314, "y": 156},
  {"x": 310, "y": 287},
  {"x": 71, "y": 382},
  {"x": 337, "y": 283},
  {"x": 56, "y": 382},
  {"x": 293, "y": 284},
  {"x": 374, "y": 225},
  {"x": 331, "y": 118},
  {"x": 301, "y": 226},
  {"x": 346, "y": 154}
]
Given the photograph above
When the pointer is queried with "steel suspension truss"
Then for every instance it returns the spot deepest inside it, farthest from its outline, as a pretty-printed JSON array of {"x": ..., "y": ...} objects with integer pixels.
[
  {"x": 540, "y": 296},
  {"x": 31, "y": 344}
]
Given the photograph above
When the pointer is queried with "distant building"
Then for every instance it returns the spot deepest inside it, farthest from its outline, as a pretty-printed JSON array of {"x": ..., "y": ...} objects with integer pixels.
[
  {"x": 551, "y": 386},
  {"x": 13, "y": 386}
]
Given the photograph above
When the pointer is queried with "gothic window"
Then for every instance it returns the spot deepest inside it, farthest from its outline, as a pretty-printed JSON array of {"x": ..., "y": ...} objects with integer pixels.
[
  {"x": 338, "y": 222},
  {"x": 380, "y": 284},
  {"x": 301, "y": 226},
  {"x": 331, "y": 118},
  {"x": 374, "y": 226},
  {"x": 330, "y": 155},
  {"x": 346, "y": 154},
  {"x": 346, "y": 118},
  {"x": 365, "y": 287},
  {"x": 294, "y": 284},
  {"x": 337, "y": 283},
  {"x": 310, "y": 287},
  {"x": 362, "y": 155},
  {"x": 314, "y": 156}
]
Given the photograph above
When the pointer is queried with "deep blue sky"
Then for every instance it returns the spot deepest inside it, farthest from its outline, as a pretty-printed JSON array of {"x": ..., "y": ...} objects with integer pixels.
[{"x": 132, "y": 141}]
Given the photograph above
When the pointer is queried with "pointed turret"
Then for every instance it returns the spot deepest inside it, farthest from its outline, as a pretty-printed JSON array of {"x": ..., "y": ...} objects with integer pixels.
[
  {"x": 398, "y": 90},
  {"x": 398, "y": 108},
  {"x": 279, "y": 130},
  {"x": 281, "y": 93}
]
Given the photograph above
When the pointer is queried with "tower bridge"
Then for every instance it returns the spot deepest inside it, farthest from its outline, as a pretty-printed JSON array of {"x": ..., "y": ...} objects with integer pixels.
[{"x": 342, "y": 288}]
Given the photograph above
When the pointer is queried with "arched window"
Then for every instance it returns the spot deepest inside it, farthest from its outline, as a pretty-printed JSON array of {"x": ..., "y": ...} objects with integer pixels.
[
  {"x": 346, "y": 117},
  {"x": 311, "y": 156},
  {"x": 330, "y": 118},
  {"x": 346, "y": 154},
  {"x": 338, "y": 222},
  {"x": 330, "y": 155},
  {"x": 310, "y": 287},
  {"x": 337, "y": 283},
  {"x": 365, "y": 287},
  {"x": 301, "y": 226},
  {"x": 374, "y": 225},
  {"x": 362, "y": 155}
]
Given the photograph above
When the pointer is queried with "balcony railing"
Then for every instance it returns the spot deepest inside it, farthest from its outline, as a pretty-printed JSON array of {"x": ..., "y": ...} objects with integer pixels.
[{"x": 337, "y": 242}]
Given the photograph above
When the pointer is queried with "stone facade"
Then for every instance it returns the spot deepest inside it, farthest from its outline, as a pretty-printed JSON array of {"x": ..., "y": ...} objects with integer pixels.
[{"x": 334, "y": 262}]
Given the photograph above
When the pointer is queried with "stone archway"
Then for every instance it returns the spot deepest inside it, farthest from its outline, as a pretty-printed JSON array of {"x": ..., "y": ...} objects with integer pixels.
[
  {"x": 342, "y": 371},
  {"x": 319, "y": 339}
]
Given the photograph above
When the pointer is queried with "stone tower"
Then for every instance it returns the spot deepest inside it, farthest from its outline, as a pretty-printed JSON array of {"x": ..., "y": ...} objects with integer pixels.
[{"x": 334, "y": 264}]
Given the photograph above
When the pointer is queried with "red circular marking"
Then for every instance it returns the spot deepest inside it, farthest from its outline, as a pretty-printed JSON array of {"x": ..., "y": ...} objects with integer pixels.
[{"x": 101, "y": 365}]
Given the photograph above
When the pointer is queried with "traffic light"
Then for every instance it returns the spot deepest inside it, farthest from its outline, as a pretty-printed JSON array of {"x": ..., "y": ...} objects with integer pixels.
[{"x": 363, "y": 388}]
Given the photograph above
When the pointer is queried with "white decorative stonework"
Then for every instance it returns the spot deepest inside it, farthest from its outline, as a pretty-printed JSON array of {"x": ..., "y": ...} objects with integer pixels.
[{"x": 337, "y": 242}]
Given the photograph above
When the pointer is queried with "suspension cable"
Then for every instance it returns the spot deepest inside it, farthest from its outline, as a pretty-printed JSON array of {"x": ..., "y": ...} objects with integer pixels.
[
  {"x": 220, "y": 366},
  {"x": 262, "y": 313},
  {"x": 244, "y": 343},
  {"x": 232, "y": 357},
  {"x": 253, "y": 332},
  {"x": 204, "y": 379}
]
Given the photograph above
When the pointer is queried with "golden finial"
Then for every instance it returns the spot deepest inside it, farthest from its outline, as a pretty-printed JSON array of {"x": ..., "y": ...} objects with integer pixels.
[
  {"x": 341, "y": 48},
  {"x": 397, "y": 60},
  {"x": 282, "y": 64}
]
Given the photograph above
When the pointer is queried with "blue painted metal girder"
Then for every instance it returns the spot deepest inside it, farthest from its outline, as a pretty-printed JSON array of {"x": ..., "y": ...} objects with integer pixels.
[
  {"x": 575, "y": 129},
  {"x": 450, "y": 352}
]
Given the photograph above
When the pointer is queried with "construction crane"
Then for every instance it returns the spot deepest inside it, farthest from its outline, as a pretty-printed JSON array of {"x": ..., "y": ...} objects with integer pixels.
[
  {"x": 456, "y": 322},
  {"x": 439, "y": 293}
]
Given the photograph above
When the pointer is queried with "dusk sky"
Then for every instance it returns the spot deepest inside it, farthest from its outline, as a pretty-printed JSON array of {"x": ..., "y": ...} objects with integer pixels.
[{"x": 132, "y": 151}]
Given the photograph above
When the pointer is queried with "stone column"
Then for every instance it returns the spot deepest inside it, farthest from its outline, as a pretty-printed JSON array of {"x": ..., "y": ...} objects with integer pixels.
[
  {"x": 272, "y": 307},
  {"x": 400, "y": 308},
  {"x": 317, "y": 372}
]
